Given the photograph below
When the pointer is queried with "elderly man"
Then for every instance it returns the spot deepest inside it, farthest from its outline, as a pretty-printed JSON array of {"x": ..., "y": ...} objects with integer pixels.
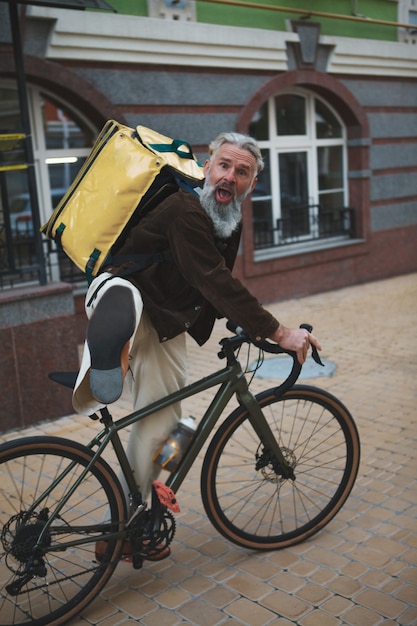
[{"x": 137, "y": 323}]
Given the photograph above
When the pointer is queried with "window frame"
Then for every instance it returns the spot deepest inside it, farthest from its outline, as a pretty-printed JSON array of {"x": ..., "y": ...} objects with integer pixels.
[
  {"x": 310, "y": 144},
  {"x": 407, "y": 12}
]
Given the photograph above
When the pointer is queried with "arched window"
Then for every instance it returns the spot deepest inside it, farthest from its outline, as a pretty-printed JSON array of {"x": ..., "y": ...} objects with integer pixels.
[
  {"x": 61, "y": 141},
  {"x": 301, "y": 198}
]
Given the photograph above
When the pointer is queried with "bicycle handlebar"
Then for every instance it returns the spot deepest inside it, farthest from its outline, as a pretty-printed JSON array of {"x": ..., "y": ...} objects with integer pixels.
[
  {"x": 268, "y": 346},
  {"x": 230, "y": 344}
]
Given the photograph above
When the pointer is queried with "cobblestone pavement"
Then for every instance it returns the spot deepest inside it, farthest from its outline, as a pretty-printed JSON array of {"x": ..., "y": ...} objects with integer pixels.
[{"x": 360, "y": 570}]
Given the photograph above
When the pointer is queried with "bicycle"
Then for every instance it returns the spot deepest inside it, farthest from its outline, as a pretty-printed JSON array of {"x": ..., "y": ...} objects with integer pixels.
[{"x": 275, "y": 472}]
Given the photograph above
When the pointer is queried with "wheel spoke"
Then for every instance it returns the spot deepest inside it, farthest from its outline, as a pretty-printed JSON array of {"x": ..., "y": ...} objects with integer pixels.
[
  {"x": 261, "y": 509},
  {"x": 33, "y": 481}
]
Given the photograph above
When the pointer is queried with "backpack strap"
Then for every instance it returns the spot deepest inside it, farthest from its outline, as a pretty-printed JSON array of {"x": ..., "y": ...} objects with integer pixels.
[
  {"x": 175, "y": 146},
  {"x": 136, "y": 263}
]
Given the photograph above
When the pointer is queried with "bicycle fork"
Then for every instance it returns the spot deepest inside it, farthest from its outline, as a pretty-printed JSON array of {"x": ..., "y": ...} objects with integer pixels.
[{"x": 272, "y": 454}]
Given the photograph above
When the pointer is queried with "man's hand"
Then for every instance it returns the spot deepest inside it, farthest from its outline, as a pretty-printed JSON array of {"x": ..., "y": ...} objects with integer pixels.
[{"x": 296, "y": 339}]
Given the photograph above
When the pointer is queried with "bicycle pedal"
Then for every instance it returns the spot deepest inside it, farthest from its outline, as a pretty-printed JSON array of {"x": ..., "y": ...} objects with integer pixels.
[
  {"x": 166, "y": 496},
  {"x": 137, "y": 561}
]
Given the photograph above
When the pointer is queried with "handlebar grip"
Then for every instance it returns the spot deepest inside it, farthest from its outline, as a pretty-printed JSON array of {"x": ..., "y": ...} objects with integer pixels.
[
  {"x": 314, "y": 352},
  {"x": 234, "y": 328},
  {"x": 274, "y": 348}
]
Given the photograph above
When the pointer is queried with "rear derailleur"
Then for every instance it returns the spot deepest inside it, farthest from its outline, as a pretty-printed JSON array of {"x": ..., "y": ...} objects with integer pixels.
[{"x": 23, "y": 556}]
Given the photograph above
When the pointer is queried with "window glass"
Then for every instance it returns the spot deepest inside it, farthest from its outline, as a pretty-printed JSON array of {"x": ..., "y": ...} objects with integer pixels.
[
  {"x": 332, "y": 202},
  {"x": 293, "y": 188},
  {"x": 18, "y": 215},
  {"x": 293, "y": 178},
  {"x": 61, "y": 176},
  {"x": 290, "y": 115},
  {"x": 62, "y": 131},
  {"x": 327, "y": 126},
  {"x": 18, "y": 256},
  {"x": 330, "y": 167},
  {"x": 333, "y": 218}
]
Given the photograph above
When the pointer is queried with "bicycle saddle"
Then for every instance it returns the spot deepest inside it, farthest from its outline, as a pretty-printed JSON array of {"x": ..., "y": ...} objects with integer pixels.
[{"x": 68, "y": 379}]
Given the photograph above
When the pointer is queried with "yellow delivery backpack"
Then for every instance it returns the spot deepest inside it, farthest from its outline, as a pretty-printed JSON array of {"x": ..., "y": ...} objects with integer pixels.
[{"x": 128, "y": 172}]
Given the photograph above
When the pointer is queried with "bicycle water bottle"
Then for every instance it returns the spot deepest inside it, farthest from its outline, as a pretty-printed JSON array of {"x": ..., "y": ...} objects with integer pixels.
[{"x": 174, "y": 448}]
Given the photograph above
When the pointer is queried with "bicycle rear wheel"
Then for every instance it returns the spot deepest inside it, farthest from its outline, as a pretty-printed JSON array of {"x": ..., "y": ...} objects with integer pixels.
[
  {"x": 36, "y": 475},
  {"x": 257, "y": 508}
]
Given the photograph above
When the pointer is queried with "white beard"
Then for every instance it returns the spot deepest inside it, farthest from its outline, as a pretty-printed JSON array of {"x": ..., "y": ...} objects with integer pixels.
[{"x": 225, "y": 218}]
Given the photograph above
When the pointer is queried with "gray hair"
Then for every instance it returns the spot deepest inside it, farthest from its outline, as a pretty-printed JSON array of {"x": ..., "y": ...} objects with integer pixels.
[{"x": 241, "y": 141}]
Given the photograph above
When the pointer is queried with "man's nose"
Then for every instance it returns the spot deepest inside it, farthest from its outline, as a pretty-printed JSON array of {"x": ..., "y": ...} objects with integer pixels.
[{"x": 230, "y": 175}]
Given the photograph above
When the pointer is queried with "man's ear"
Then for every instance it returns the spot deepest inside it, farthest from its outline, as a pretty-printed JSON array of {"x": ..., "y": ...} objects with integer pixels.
[{"x": 206, "y": 166}]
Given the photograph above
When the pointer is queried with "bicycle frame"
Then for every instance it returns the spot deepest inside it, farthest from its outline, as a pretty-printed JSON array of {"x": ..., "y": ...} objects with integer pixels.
[{"x": 231, "y": 381}]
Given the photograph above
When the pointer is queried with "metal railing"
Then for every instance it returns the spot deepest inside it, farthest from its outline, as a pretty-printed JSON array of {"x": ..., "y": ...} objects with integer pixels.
[
  {"x": 305, "y": 223},
  {"x": 20, "y": 263}
]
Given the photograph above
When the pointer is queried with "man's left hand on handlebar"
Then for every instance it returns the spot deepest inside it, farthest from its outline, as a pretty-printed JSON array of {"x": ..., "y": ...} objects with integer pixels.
[{"x": 297, "y": 340}]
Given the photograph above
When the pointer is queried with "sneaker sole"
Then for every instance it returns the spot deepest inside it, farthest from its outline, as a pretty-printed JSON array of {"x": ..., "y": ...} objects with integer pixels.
[{"x": 109, "y": 329}]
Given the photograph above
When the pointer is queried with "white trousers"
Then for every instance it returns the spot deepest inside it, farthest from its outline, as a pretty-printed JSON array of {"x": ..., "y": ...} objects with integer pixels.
[{"x": 155, "y": 370}]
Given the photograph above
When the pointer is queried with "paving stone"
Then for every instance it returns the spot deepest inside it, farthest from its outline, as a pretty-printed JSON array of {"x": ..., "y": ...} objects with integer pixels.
[
  {"x": 344, "y": 586},
  {"x": 314, "y": 594},
  {"x": 160, "y": 618},
  {"x": 286, "y": 605},
  {"x": 196, "y": 585},
  {"x": 134, "y": 604},
  {"x": 319, "y": 618},
  {"x": 249, "y": 587},
  {"x": 359, "y": 616},
  {"x": 251, "y": 613},
  {"x": 200, "y": 612},
  {"x": 409, "y": 617},
  {"x": 220, "y": 596},
  {"x": 336, "y": 605},
  {"x": 287, "y": 582},
  {"x": 99, "y": 611},
  {"x": 380, "y": 602},
  {"x": 115, "y": 620},
  {"x": 173, "y": 598},
  {"x": 327, "y": 558}
]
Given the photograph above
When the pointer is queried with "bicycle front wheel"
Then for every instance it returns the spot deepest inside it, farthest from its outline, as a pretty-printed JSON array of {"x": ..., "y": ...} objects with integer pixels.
[
  {"x": 48, "y": 568},
  {"x": 244, "y": 494}
]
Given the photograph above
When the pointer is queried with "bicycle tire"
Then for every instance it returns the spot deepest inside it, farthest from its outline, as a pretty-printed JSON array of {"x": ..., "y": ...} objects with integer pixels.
[
  {"x": 70, "y": 578},
  {"x": 257, "y": 508}
]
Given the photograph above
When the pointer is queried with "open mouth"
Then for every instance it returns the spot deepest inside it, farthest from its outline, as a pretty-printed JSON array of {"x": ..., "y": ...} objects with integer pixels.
[{"x": 224, "y": 194}]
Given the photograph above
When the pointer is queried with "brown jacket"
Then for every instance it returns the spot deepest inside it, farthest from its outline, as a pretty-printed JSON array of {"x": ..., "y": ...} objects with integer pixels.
[{"x": 188, "y": 293}]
